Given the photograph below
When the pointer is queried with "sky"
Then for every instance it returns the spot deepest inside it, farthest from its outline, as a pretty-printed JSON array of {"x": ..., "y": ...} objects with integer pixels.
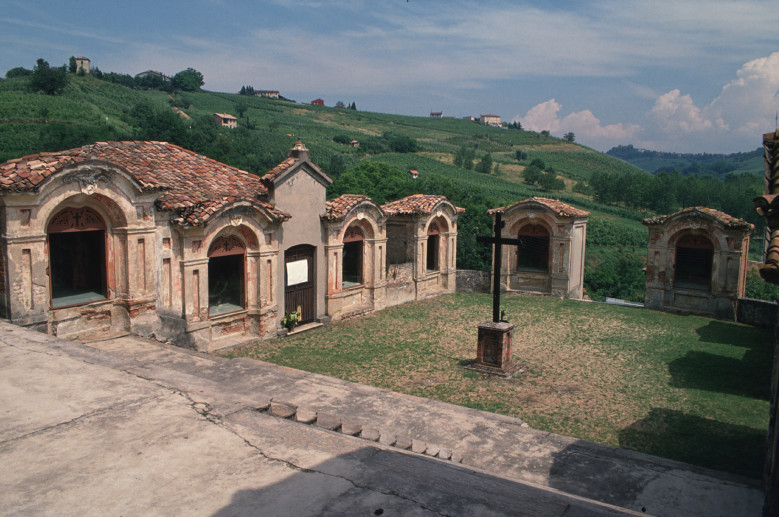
[{"x": 686, "y": 76}]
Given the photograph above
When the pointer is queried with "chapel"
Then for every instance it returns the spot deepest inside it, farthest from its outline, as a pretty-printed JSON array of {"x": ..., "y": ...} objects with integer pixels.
[
  {"x": 550, "y": 256},
  {"x": 697, "y": 262},
  {"x": 153, "y": 239}
]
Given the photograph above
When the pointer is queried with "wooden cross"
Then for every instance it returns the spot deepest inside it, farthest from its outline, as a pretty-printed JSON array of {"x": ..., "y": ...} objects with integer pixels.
[{"x": 498, "y": 241}]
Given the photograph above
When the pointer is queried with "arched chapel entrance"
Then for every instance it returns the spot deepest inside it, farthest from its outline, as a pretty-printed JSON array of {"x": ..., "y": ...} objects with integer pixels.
[
  {"x": 226, "y": 276},
  {"x": 77, "y": 257}
]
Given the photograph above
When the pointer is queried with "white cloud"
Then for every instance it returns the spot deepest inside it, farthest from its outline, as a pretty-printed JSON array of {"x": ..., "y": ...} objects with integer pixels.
[
  {"x": 584, "y": 124},
  {"x": 677, "y": 113},
  {"x": 745, "y": 108}
]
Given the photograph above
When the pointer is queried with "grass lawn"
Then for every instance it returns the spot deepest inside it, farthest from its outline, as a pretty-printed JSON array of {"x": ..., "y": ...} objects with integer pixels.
[{"x": 683, "y": 387}]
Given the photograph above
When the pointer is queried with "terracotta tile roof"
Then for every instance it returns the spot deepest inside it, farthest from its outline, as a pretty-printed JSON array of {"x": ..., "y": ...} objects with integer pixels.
[
  {"x": 416, "y": 204},
  {"x": 278, "y": 170},
  {"x": 558, "y": 207},
  {"x": 727, "y": 220},
  {"x": 338, "y": 208},
  {"x": 194, "y": 187}
]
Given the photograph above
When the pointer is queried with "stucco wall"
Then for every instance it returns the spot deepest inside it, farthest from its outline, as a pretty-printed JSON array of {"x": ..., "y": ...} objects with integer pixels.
[
  {"x": 303, "y": 197},
  {"x": 472, "y": 281},
  {"x": 728, "y": 268},
  {"x": 758, "y": 313}
]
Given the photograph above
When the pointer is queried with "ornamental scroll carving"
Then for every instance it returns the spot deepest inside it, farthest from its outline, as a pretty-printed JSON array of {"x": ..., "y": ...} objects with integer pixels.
[
  {"x": 87, "y": 181},
  {"x": 230, "y": 245},
  {"x": 76, "y": 220}
]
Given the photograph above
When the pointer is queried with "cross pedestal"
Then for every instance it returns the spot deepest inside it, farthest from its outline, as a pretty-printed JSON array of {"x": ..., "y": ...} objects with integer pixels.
[{"x": 493, "y": 349}]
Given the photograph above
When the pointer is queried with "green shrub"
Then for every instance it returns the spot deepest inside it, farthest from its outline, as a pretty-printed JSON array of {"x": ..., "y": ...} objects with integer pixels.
[
  {"x": 759, "y": 289},
  {"x": 603, "y": 231},
  {"x": 619, "y": 274}
]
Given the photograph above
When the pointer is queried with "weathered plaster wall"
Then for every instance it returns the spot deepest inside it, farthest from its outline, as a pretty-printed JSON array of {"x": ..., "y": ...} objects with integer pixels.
[
  {"x": 565, "y": 267},
  {"x": 342, "y": 302},
  {"x": 303, "y": 197},
  {"x": 128, "y": 216},
  {"x": 728, "y": 271}
]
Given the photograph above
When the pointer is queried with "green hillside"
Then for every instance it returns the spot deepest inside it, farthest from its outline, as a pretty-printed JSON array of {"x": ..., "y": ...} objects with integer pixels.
[
  {"x": 686, "y": 163},
  {"x": 91, "y": 110}
]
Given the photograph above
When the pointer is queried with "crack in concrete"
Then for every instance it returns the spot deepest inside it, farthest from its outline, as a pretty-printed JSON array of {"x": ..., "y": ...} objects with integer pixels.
[
  {"x": 85, "y": 416},
  {"x": 204, "y": 409}
]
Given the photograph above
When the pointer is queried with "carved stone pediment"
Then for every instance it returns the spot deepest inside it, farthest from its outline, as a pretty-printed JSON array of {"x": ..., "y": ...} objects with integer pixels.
[{"x": 88, "y": 180}]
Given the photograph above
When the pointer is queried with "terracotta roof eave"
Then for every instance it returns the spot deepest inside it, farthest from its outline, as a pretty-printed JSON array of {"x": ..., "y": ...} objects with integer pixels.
[
  {"x": 560, "y": 208},
  {"x": 722, "y": 218},
  {"x": 200, "y": 216}
]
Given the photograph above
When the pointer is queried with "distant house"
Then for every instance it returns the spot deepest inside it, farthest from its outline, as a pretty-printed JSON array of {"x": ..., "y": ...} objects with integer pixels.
[
  {"x": 471, "y": 118},
  {"x": 226, "y": 120},
  {"x": 267, "y": 94},
  {"x": 490, "y": 120},
  {"x": 436, "y": 114},
  {"x": 354, "y": 143},
  {"x": 82, "y": 63},
  {"x": 318, "y": 102},
  {"x": 414, "y": 174},
  {"x": 153, "y": 73}
]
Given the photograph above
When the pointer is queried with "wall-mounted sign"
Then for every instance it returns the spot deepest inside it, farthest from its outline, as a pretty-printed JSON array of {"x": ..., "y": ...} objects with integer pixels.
[{"x": 297, "y": 272}]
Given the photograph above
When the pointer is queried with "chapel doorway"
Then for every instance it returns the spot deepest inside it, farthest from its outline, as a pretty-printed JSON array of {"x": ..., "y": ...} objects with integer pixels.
[
  {"x": 226, "y": 277},
  {"x": 77, "y": 257},
  {"x": 433, "y": 244},
  {"x": 533, "y": 250},
  {"x": 300, "y": 281},
  {"x": 694, "y": 258}
]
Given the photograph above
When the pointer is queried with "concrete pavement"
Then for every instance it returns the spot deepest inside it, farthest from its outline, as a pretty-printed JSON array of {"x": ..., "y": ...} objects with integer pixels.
[{"x": 127, "y": 427}]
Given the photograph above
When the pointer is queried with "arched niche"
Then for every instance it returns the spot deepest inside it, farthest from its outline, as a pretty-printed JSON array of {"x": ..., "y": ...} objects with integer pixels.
[
  {"x": 77, "y": 254},
  {"x": 226, "y": 275},
  {"x": 693, "y": 260},
  {"x": 533, "y": 248}
]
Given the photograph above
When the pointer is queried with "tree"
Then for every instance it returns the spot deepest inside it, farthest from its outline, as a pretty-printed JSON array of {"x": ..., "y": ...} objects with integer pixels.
[
  {"x": 72, "y": 65},
  {"x": 50, "y": 81},
  {"x": 18, "y": 71},
  {"x": 459, "y": 156},
  {"x": 485, "y": 165},
  {"x": 337, "y": 165},
  {"x": 353, "y": 106},
  {"x": 381, "y": 181},
  {"x": 569, "y": 137},
  {"x": 545, "y": 132},
  {"x": 241, "y": 109},
  {"x": 340, "y": 104},
  {"x": 538, "y": 162},
  {"x": 532, "y": 174},
  {"x": 549, "y": 181},
  {"x": 470, "y": 154},
  {"x": 521, "y": 155},
  {"x": 189, "y": 80},
  {"x": 400, "y": 143}
]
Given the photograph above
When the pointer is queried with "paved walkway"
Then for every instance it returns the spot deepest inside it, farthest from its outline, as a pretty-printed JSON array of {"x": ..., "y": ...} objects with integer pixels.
[{"x": 127, "y": 426}]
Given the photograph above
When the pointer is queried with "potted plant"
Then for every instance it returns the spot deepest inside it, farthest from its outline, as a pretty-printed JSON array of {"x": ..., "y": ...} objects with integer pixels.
[{"x": 290, "y": 320}]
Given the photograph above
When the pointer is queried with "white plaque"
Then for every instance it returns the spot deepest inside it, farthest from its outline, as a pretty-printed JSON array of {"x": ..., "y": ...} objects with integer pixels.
[{"x": 297, "y": 272}]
